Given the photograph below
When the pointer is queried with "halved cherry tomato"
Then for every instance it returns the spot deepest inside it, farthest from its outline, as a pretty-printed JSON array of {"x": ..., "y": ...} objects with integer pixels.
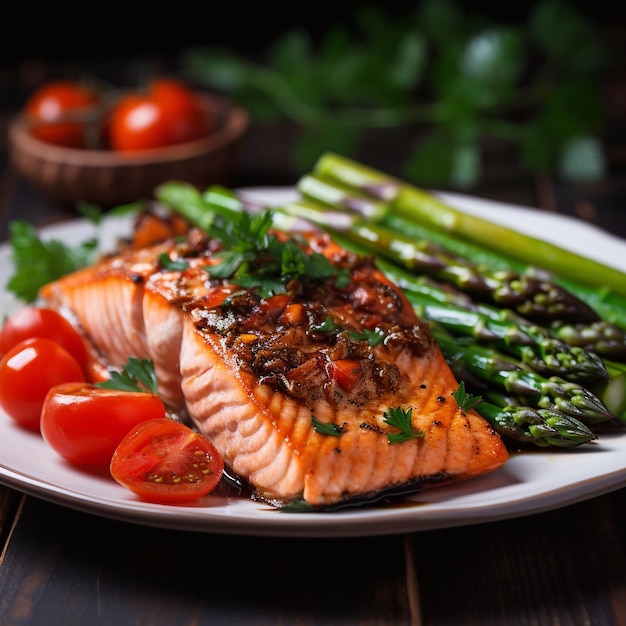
[
  {"x": 168, "y": 113},
  {"x": 28, "y": 371},
  {"x": 166, "y": 462},
  {"x": 52, "y": 102},
  {"x": 32, "y": 321},
  {"x": 84, "y": 424}
]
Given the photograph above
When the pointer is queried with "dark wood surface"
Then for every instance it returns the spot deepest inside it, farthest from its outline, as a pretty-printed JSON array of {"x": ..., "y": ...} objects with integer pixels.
[{"x": 62, "y": 567}]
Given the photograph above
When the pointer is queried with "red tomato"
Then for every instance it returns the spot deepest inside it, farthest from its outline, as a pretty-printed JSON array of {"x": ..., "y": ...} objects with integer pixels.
[
  {"x": 166, "y": 462},
  {"x": 168, "y": 113},
  {"x": 28, "y": 371},
  {"x": 347, "y": 372},
  {"x": 54, "y": 101},
  {"x": 84, "y": 424},
  {"x": 42, "y": 322}
]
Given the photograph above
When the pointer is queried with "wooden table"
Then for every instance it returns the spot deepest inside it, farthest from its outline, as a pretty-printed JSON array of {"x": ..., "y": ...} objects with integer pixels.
[{"x": 59, "y": 566}]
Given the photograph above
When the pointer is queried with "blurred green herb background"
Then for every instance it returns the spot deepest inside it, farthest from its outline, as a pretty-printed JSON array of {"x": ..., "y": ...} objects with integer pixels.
[{"x": 448, "y": 79}]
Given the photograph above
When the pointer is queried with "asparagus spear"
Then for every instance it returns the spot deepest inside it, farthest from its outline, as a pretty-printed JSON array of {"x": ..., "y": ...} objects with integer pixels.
[
  {"x": 543, "y": 354},
  {"x": 418, "y": 205},
  {"x": 609, "y": 304},
  {"x": 521, "y": 423},
  {"x": 508, "y": 375},
  {"x": 541, "y": 427},
  {"x": 604, "y": 338}
]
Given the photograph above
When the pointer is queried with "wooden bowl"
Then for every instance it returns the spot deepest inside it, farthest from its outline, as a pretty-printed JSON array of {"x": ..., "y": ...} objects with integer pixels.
[{"x": 108, "y": 178}]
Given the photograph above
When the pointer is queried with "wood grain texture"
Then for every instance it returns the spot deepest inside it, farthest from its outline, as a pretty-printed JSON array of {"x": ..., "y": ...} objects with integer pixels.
[
  {"x": 64, "y": 568},
  {"x": 566, "y": 567}
]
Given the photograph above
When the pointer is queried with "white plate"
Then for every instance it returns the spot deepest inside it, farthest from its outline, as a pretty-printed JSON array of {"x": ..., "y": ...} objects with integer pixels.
[{"x": 528, "y": 483}]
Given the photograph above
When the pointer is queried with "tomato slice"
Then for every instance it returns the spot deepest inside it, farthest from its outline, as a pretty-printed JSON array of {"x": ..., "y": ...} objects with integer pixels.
[
  {"x": 32, "y": 321},
  {"x": 28, "y": 371},
  {"x": 84, "y": 424},
  {"x": 166, "y": 462}
]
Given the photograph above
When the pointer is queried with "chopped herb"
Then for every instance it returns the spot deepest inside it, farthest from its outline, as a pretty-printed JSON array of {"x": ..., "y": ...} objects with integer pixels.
[
  {"x": 136, "y": 375},
  {"x": 297, "y": 506},
  {"x": 327, "y": 326},
  {"x": 254, "y": 258},
  {"x": 326, "y": 429},
  {"x": 401, "y": 419},
  {"x": 466, "y": 401},
  {"x": 167, "y": 263},
  {"x": 373, "y": 337}
]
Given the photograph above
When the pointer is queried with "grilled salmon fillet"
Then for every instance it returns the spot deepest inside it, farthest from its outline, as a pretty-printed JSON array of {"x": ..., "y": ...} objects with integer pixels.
[{"x": 297, "y": 388}]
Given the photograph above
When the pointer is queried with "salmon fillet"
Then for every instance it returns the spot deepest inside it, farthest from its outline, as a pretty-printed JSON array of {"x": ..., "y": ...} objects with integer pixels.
[{"x": 294, "y": 388}]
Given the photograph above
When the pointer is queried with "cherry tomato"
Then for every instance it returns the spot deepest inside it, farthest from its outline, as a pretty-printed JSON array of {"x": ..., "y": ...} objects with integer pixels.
[
  {"x": 168, "y": 113},
  {"x": 28, "y": 371},
  {"x": 54, "y": 101},
  {"x": 32, "y": 321},
  {"x": 84, "y": 423},
  {"x": 166, "y": 462}
]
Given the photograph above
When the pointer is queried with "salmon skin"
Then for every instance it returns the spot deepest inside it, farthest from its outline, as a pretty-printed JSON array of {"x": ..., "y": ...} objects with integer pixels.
[{"x": 327, "y": 390}]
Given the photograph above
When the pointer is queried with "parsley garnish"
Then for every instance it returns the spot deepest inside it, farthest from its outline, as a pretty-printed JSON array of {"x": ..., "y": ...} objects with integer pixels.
[
  {"x": 137, "y": 375},
  {"x": 38, "y": 262},
  {"x": 466, "y": 401},
  {"x": 373, "y": 337},
  {"x": 167, "y": 263},
  {"x": 401, "y": 419},
  {"x": 326, "y": 429},
  {"x": 327, "y": 326},
  {"x": 252, "y": 257}
]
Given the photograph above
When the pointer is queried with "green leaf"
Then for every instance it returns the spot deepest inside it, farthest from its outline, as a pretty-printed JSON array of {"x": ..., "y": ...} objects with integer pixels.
[
  {"x": 292, "y": 52},
  {"x": 219, "y": 68},
  {"x": 253, "y": 257},
  {"x": 328, "y": 326},
  {"x": 442, "y": 21},
  {"x": 464, "y": 400},
  {"x": 372, "y": 337},
  {"x": 539, "y": 149},
  {"x": 329, "y": 429},
  {"x": 411, "y": 61},
  {"x": 172, "y": 265},
  {"x": 462, "y": 76},
  {"x": 466, "y": 165},
  {"x": 37, "y": 262},
  {"x": 137, "y": 375},
  {"x": 493, "y": 56},
  {"x": 431, "y": 162},
  {"x": 401, "y": 419},
  {"x": 582, "y": 160},
  {"x": 340, "y": 67},
  {"x": 566, "y": 38},
  {"x": 569, "y": 109}
]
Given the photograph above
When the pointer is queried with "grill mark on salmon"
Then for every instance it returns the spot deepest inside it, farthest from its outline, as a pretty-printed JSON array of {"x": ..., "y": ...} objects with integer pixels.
[{"x": 251, "y": 373}]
